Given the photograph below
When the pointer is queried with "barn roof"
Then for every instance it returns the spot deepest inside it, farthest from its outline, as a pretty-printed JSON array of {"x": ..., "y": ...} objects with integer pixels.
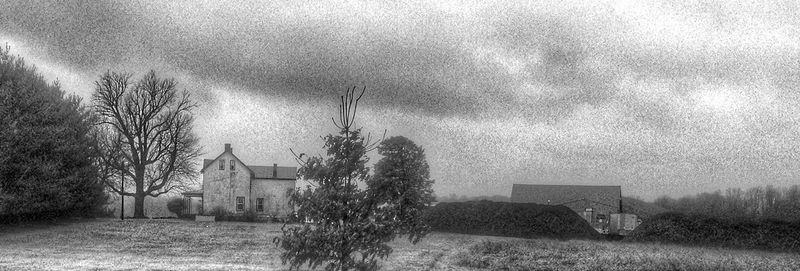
[{"x": 608, "y": 195}]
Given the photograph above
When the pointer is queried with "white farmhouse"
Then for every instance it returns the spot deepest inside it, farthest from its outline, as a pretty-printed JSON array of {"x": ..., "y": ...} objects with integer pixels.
[{"x": 238, "y": 188}]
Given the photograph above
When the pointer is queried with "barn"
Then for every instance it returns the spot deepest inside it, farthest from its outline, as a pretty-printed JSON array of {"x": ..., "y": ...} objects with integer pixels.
[{"x": 595, "y": 203}]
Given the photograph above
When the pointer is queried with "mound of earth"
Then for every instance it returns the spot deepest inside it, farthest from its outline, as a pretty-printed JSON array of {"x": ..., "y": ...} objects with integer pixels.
[
  {"x": 708, "y": 231},
  {"x": 526, "y": 220}
]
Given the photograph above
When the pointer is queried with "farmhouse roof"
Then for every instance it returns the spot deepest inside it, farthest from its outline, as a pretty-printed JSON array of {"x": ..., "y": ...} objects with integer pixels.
[
  {"x": 266, "y": 172},
  {"x": 258, "y": 172},
  {"x": 228, "y": 149},
  {"x": 608, "y": 195}
]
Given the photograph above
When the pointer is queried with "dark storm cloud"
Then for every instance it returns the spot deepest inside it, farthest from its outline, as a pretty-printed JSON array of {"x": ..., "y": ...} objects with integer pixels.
[
  {"x": 295, "y": 57},
  {"x": 654, "y": 90},
  {"x": 408, "y": 59}
]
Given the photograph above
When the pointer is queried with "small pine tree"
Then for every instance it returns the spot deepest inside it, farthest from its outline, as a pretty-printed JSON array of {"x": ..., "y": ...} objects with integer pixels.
[{"x": 349, "y": 226}]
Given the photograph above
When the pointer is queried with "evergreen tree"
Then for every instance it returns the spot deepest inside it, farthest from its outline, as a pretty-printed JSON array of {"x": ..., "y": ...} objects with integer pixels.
[
  {"x": 47, "y": 162},
  {"x": 349, "y": 227}
]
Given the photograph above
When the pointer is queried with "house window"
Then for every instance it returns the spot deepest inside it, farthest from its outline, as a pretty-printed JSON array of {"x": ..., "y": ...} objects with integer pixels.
[
  {"x": 221, "y": 164},
  {"x": 233, "y": 165},
  {"x": 240, "y": 204},
  {"x": 260, "y": 205}
]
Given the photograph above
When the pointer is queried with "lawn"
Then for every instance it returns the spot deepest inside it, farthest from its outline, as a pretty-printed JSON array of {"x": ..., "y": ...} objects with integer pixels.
[{"x": 186, "y": 245}]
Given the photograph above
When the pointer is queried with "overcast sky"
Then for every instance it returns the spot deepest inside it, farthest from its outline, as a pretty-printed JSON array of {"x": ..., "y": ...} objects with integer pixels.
[{"x": 662, "y": 98}]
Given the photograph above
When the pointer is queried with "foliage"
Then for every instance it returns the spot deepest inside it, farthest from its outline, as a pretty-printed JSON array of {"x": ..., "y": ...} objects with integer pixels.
[
  {"x": 218, "y": 212},
  {"x": 526, "y": 220},
  {"x": 710, "y": 231},
  {"x": 402, "y": 186},
  {"x": 176, "y": 205},
  {"x": 767, "y": 202},
  {"x": 543, "y": 254},
  {"x": 145, "y": 133},
  {"x": 46, "y": 148},
  {"x": 641, "y": 208},
  {"x": 351, "y": 226}
]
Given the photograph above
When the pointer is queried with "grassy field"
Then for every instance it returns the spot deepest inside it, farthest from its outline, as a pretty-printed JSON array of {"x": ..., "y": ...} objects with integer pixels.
[{"x": 185, "y": 245}]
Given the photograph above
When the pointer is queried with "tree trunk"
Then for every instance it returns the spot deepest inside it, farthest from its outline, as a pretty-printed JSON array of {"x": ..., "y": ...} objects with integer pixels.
[{"x": 138, "y": 206}]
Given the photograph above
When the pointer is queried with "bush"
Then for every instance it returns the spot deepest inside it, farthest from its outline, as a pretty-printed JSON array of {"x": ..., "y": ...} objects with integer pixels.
[
  {"x": 526, "y": 220},
  {"x": 47, "y": 148},
  {"x": 106, "y": 212},
  {"x": 218, "y": 212},
  {"x": 177, "y": 206},
  {"x": 705, "y": 230}
]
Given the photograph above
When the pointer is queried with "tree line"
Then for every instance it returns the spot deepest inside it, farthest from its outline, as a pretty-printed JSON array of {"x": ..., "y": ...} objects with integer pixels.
[{"x": 761, "y": 202}]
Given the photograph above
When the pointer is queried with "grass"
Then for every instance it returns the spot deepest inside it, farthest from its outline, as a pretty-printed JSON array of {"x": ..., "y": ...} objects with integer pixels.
[{"x": 185, "y": 245}]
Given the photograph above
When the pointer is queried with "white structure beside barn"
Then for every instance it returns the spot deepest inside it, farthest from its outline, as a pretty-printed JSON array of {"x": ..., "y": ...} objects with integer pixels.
[{"x": 236, "y": 188}]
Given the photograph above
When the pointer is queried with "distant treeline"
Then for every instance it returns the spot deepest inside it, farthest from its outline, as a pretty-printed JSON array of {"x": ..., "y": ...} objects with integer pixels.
[{"x": 763, "y": 202}]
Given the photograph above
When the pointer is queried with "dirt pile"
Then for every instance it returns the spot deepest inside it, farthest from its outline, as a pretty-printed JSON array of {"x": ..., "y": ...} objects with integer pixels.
[
  {"x": 708, "y": 231},
  {"x": 526, "y": 220}
]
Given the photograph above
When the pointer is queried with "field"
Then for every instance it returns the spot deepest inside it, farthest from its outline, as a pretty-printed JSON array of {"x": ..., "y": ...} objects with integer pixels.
[{"x": 186, "y": 245}]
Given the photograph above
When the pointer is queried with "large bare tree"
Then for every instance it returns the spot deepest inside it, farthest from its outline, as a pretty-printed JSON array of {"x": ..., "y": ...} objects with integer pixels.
[{"x": 146, "y": 132}]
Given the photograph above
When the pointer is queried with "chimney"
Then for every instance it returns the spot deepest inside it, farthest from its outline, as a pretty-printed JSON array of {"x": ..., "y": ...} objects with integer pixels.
[
  {"x": 228, "y": 148},
  {"x": 274, "y": 171}
]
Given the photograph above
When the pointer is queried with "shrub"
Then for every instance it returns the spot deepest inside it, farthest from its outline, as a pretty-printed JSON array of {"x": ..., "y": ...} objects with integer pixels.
[
  {"x": 106, "y": 212},
  {"x": 47, "y": 148},
  {"x": 176, "y": 205},
  {"x": 705, "y": 230},
  {"x": 219, "y": 213},
  {"x": 527, "y": 220}
]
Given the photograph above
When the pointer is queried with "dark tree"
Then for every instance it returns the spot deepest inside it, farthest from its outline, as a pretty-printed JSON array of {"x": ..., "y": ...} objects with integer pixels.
[
  {"x": 148, "y": 137},
  {"x": 46, "y": 147},
  {"x": 402, "y": 186},
  {"x": 349, "y": 226}
]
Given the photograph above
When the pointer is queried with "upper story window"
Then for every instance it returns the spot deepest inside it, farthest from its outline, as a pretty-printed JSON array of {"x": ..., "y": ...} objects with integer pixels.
[
  {"x": 221, "y": 164},
  {"x": 233, "y": 164}
]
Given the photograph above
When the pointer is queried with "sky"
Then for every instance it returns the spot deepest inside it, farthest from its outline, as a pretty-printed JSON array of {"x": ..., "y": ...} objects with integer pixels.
[{"x": 660, "y": 97}]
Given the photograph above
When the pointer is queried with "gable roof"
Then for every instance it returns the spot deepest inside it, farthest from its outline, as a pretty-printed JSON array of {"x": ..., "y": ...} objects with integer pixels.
[
  {"x": 208, "y": 162},
  {"x": 608, "y": 195},
  {"x": 266, "y": 172},
  {"x": 259, "y": 172}
]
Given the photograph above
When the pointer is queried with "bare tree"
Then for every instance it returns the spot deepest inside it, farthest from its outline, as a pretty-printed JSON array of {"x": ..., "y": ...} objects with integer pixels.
[{"x": 146, "y": 132}]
